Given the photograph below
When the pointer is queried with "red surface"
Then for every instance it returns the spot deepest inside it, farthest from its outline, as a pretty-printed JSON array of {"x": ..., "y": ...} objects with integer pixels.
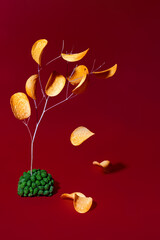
[{"x": 123, "y": 111}]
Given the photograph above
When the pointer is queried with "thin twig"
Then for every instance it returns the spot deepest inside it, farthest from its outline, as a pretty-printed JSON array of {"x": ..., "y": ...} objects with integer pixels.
[
  {"x": 93, "y": 64},
  {"x": 59, "y": 103},
  {"x": 97, "y": 68},
  {"x": 52, "y": 60},
  {"x": 35, "y": 131},
  {"x": 24, "y": 122},
  {"x": 62, "y": 46},
  {"x": 35, "y": 104},
  {"x": 40, "y": 102},
  {"x": 39, "y": 77}
]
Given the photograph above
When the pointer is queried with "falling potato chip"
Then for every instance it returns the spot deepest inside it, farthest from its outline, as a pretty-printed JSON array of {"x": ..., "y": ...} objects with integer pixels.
[
  {"x": 37, "y": 50},
  {"x": 103, "y": 164},
  {"x": 55, "y": 84},
  {"x": 106, "y": 73},
  {"x": 74, "y": 57},
  {"x": 78, "y": 73},
  {"x": 20, "y": 106},
  {"x": 79, "y": 135},
  {"x": 31, "y": 86},
  {"x": 72, "y": 195},
  {"x": 82, "y": 204}
]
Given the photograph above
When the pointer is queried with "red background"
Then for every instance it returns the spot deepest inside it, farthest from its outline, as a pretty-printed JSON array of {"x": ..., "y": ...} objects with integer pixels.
[{"x": 123, "y": 111}]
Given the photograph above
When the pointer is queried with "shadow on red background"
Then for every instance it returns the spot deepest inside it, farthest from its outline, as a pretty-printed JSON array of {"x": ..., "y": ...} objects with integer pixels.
[{"x": 122, "y": 111}]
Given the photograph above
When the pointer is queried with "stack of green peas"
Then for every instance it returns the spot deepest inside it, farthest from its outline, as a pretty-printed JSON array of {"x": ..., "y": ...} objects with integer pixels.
[{"x": 40, "y": 183}]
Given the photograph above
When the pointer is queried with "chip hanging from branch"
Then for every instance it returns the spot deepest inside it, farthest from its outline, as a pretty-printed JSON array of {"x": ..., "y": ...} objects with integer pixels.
[
  {"x": 106, "y": 73},
  {"x": 77, "y": 75},
  {"x": 20, "y": 105},
  {"x": 72, "y": 195},
  {"x": 82, "y": 204},
  {"x": 30, "y": 86},
  {"x": 74, "y": 57},
  {"x": 55, "y": 84},
  {"x": 79, "y": 135},
  {"x": 104, "y": 164},
  {"x": 81, "y": 87},
  {"x": 37, "y": 50}
]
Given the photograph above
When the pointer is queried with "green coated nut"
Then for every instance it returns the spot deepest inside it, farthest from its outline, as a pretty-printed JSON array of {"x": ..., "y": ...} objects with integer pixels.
[
  {"x": 49, "y": 177},
  {"x": 33, "y": 185},
  {"x": 50, "y": 194},
  {"x": 20, "y": 192},
  {"x": 40, "y": 192},
  {"x": 38, "y": 177},
  {"x": 33, "y": 179},
  {"x": 43, "y": 183},
  {"x": 40, "y": 187},
  {"x": 51, "y": 189},
  {"x": 34, "y": 170},
  {"x": 31, "y": 189},
  {"x": 23, "y": 184},
  {"x": 43, "y": 174},
  {"x": 38, "y": 183},
  {"x": 52, "y": 181},
  {"x": 21, "y": 178},
  {"x": 27, "y": 176},
  {"x": 30, "y": 195},
  {"x": 46, "y": 192},
  {"x": 46, "y": 180},
  {"x": 46, "y": 187},
  {"x": 35, "y": 191},
  {"x": 29, "y": 183},
  {"x": 25, "y": 195}
]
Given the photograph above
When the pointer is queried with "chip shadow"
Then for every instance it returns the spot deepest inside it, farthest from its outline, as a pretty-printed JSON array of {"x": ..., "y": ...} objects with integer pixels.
[
  {"x": 56, "y": 187},
  {"x": 113, "y": 168},
  {"x": 94, "y": 205}
]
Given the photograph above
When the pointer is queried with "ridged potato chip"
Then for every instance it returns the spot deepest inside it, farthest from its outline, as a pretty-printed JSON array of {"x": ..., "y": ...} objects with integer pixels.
[
  {"x": 79, "y": 72},
  {"x": 104, "y": 164},
  {"x": 72, "y": 195},
  {"x": 106, "y": 73},
  {"x": 31, "y": 86},
  {"x": 55, "y": 84},
  {"x": 37, "y": 50},
  {"x": 82, "y": 204},
  {"x": 79, "y": 135},
  {"x": 20, "y": 105},
  {"x": 74, "y": 57}
]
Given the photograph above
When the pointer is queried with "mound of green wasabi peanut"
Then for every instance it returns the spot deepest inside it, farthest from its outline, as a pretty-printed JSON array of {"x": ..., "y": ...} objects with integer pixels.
[{"x": 40, "y": 183}]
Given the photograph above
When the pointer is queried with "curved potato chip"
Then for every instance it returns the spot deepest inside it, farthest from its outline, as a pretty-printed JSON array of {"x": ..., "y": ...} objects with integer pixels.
[
  {"x": 55, "y": 84},
  {"x": 72, "y": 195},
  {"x": 74, "y": 57},
  {"x": 104, "y": 164},
  {"x": 37, "y": 50},
  {"x": 79, "y": 135},
  {"x": 31, "y": 86},
  {"x": 82, "y": 204},
  {"x": 20, "y": 105},
  {"x": 78, "y": 74},
  {"x": 106, "y": 73},
  {"x": 81, "y": 86}
]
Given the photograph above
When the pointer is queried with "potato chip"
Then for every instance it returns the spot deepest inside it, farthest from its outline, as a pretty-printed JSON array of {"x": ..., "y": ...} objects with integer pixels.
[
  {"x": 81, "y": 86},
  {"x": 72, "y": 195},
  {"x": 78, "y": 73},
  {"x": 106, "y": 73},
  {"x": 37, "y": 50},
  {"x": 55, "y": 84},
  {"x": 79, "y": 135},
  {"x": 82, "y": 204},
  {"x": 104, "y": 164},
  {"x": 31, "y": 86},
  {"x": 20, "y": 105},
  {"x": 74, "y": 57}
]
